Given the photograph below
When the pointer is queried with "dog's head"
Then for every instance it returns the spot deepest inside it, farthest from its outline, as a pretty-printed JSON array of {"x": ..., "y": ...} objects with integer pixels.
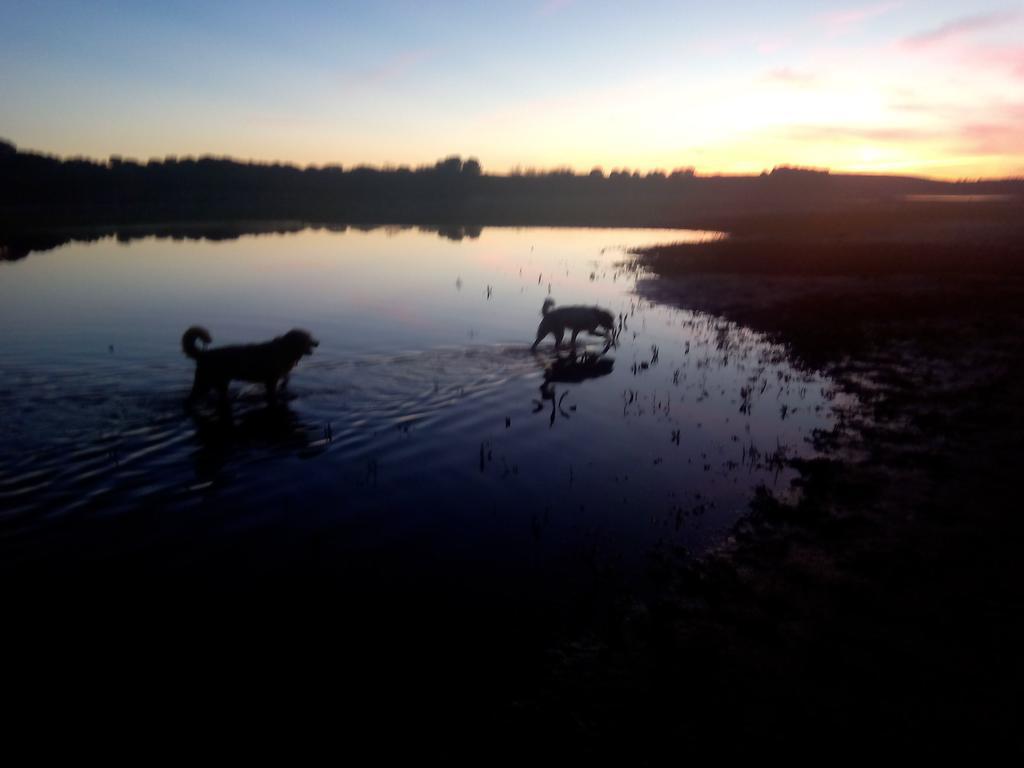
[{"x": 300, "y": 342}]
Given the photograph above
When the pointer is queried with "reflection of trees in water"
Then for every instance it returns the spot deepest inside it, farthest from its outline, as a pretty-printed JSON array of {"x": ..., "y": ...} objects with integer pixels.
[
  {"x": 569, "y": 369},
  {"x": 12, "y": 252},
  {"x": 17, "y": 244}
]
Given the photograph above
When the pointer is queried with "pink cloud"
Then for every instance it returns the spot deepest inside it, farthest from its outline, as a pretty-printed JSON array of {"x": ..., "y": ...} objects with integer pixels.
[
  {"x": 841, "y": 22},
  {"x": 993, "y": 138},
  {"x": 1010, "y": 58},
  {"x": 1005, "y": 59},
  {"x": 960, "y": 27}
]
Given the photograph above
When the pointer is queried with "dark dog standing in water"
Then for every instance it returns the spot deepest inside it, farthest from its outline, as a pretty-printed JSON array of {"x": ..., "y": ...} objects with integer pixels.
[
  {"x": 265, "y": 363},
  {"x": 578, "y": 319}
]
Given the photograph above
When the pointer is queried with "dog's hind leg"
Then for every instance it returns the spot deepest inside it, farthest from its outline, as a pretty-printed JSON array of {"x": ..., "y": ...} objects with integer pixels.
[{"x": 222, "y": 394}]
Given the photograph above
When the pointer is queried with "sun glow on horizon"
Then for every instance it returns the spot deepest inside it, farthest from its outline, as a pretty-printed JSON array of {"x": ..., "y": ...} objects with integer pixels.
[{"x": 900, "y": 87}]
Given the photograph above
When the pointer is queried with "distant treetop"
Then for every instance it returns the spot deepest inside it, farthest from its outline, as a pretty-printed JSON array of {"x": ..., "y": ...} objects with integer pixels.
[{"x": 797, "y": 170}]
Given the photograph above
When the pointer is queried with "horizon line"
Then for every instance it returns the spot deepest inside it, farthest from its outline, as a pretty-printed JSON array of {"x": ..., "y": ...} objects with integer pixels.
[{"x": 514, "y": 172}]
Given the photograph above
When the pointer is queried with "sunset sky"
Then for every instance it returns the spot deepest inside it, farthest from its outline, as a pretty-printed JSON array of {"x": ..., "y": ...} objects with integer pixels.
[{"x": 931, "y": 87}]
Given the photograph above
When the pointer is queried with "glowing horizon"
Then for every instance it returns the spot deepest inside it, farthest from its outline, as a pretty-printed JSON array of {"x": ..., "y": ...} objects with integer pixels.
[{"x": 906, "y": 87}]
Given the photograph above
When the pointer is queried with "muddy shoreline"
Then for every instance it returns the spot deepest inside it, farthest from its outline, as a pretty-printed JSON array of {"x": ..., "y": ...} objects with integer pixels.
[{"x": 884, "y": 610}]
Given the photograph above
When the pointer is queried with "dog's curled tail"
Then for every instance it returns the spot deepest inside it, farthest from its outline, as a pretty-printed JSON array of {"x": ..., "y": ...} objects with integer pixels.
[
  {"x": 192, "y": 335},
  {"x": 548, "y": 304}
]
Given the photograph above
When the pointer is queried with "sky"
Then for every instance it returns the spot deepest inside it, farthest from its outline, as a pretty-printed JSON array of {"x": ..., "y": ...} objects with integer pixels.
[{"x": 926, "y": 87}]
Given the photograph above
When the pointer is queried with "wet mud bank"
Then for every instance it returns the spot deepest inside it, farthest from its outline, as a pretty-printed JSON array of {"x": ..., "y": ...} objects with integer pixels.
[{"x": 884, "y": 609}]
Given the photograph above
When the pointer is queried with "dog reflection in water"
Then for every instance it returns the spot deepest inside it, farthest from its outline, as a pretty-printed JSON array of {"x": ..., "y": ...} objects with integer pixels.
[
  {"x": 252, "y": 430},
  {"x": 572, "y": 369}
]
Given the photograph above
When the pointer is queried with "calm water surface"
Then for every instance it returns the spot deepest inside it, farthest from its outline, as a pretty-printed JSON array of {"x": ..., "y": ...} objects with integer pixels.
[{"x": 423, "y": 440}]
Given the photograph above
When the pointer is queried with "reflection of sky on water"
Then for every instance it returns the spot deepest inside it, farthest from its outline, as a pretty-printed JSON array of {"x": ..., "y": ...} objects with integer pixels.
[{"x": 422, "y": 402}]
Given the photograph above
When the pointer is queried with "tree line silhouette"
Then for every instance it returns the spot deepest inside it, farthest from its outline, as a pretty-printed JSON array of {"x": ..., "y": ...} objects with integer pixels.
[{"x": 41, "y": 191}]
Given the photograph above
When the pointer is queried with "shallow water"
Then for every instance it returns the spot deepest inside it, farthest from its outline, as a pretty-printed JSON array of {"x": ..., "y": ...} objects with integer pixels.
[{"x": 421, "y": 437}]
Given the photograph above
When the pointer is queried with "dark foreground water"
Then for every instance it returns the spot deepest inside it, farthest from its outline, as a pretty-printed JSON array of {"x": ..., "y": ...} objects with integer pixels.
[{"x": 423, "y": 449}]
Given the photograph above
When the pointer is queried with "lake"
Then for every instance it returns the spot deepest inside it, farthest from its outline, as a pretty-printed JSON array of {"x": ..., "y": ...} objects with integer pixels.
[{"x": 423, "y": 447}]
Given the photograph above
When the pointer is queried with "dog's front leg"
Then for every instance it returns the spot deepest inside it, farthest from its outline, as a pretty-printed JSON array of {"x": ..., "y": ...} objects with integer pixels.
[{"x": 271, "y": 385}]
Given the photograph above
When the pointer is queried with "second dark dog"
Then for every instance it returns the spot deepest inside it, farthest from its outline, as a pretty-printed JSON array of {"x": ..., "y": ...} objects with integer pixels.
[
  {"x": 594, "y": 320},
  {"x": 266, "y": 363}
]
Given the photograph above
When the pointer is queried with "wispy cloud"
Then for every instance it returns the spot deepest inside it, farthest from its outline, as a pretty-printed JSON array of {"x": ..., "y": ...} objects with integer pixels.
[
  {"x": 993, "y": 130},
  {"x": 1009, "y": 59},
  {"x": 992, "y": 138},
  {"x": 390, "y": 70},
  {"x": 926, "y": 109},
  {"x": 765, "y": 44},
  {"x": 839, "y": 23},
  {"x": 789, "y": 76},
  {"x": 550, "y": 7},
  {"x": 397, "y": 66},
  {"x": 858, "y": 133},
  {"x": 773, "y": 45},
  {"x": 961, "y": 27}
]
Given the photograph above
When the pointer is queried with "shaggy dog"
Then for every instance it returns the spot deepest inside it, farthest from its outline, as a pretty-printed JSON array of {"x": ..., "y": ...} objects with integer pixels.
[
  {"x": 265, "y": 363},
  {"x": 578, "y": 319}
]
